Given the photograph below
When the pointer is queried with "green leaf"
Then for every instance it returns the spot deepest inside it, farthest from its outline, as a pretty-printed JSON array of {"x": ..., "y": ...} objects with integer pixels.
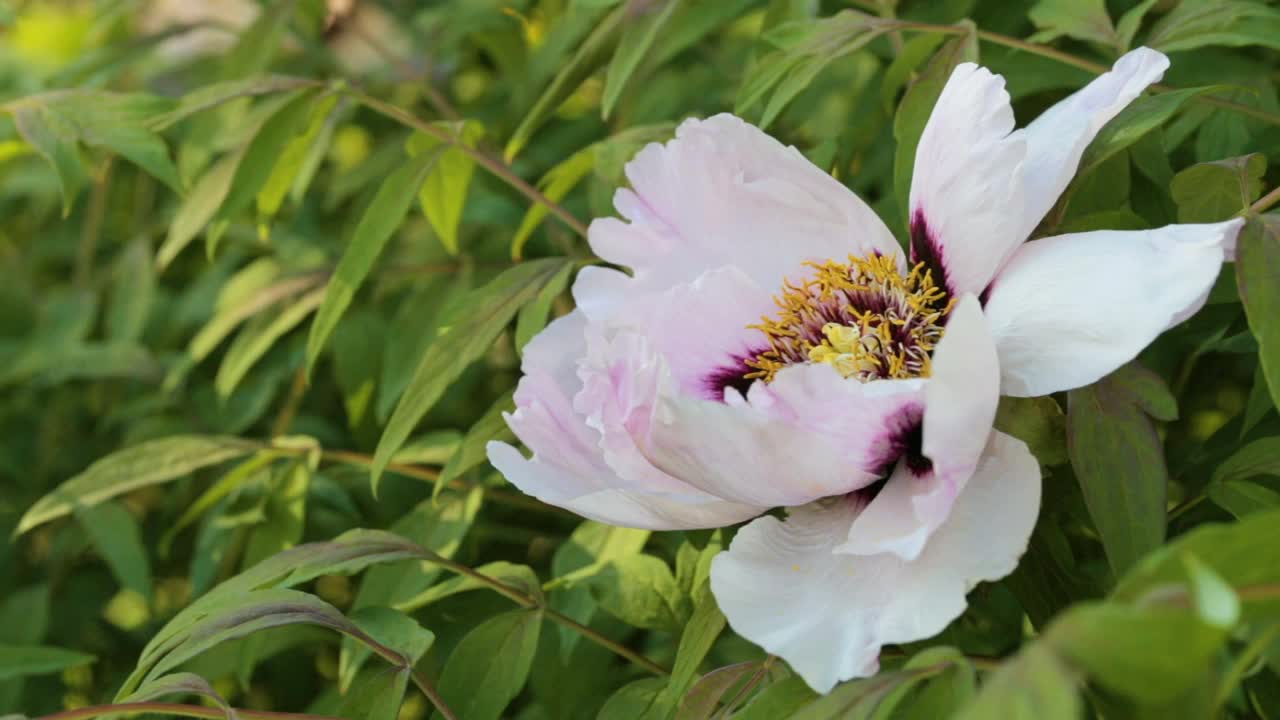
[
  {"x": 24, "y": 660},
  {"x": 285, "y": 174},
  {"x": 199, "y": 207},
  {"x": 148, "y": 463},
  {"x": 642, "y": 24},
  {"x": 257, "y": 338},
  {"x": 264, "y": 151},
  {"x": 781, "y": 699},
  {"x": 1119, "y": 461},
  {"x": 641, "y": 591},
  {"x": 490, "y": 664},
  {"x": 1127, "y": 26},
  {"x": 118, "y": 539},
  {"x": 471, "y": 451},
  {"x": 1141, "y": 117},
  {"x": 1260, "y": 457},
  {"x": 637, "y": 700},
  {"x": 1038, "y": 422},
  {"x": 1242, "y": 498},
  {"x": 1258, "y": 278},
  {"x": 284, "y": 514},
  {"x": 55, "y": 139},
  {"x": 917, "y": 104},
  {"x": 211, "y": 96},
  {"x": 1033, "y": 686},
  {"x": 133, "y": 286},
  {"x": 180, "y": 684},
  {"x": 438, "y": 527},
  {"x": 1150, "y": 654},
  {"x": 1243, "y": 554},
  {"x": 521, "y": 577},
  {"x": 1219, "y": 190},
  {"x": 379, "y": 221},
  {"x": 710, "y": 690},
  {"x": 1085, "y": 20},
  {"x": 589, "y": 56},
  {"x": 557, "y": 183},
  {"x": 1197, "y": 23},
  {"x": 489, "y": 309},
  {"x": 443, "y": 194},
  {"x": 533, "y": 317},
  {"x": 393, "y": 629},
  {"x": 700, "y": 633}
]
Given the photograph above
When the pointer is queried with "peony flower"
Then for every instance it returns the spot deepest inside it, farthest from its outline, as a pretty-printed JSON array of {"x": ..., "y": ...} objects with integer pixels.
[{"x": 772, "y": 347}]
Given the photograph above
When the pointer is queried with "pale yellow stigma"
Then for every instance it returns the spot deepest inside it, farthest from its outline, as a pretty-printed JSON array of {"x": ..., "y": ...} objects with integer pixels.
[{"x": 862, "y": 317}]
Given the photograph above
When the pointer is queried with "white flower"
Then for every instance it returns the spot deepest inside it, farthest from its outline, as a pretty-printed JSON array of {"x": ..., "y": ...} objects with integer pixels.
[{"x": 772, "y": 347}]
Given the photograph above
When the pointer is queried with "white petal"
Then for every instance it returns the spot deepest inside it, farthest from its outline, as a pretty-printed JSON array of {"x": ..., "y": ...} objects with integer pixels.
[
  {"x": 723, "y": 193},
  {"x": 809, "y": 434},
  {"x": 783, "y": 586},
  {"x": 590, "y": 497},
  {"x": 1069, "y": 309},
  {"x": 582, "y": 410},
  {"x": 1057, "y": 139},
  {"x": 967, "y": 178},
  {"x": 960, "y": 405}
]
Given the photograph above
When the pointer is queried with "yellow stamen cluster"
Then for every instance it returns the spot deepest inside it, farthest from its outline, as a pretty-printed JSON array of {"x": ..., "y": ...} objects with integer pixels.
[{"x": 862, "y": 317}]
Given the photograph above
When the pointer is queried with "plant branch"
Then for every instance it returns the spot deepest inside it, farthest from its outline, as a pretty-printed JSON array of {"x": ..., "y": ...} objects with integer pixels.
[
  {"x": 195, "y": 711},
  {"x": 1265, "y": 202},
  {"x": 430, "y": 475},
  {"x": 483, "y": 159},
  {"x": 601, "y": 640},
  {"x": 1081, "y": 63}
]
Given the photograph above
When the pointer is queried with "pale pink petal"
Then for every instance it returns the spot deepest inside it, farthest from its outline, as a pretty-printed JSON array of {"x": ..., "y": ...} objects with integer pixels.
[
  {"x": 1058, "y": 137},
  {"x": 581, "y": 407},
  {"x": 966, "y": 188},
  {"x": 783, "y": 586},
  {"x": 1068, "y": 310},
  {"x": 809, "y": 434},
  {"x": 723, "y": 193},
  {"x": 960, "y": 405},
  {"x": 590, "y": 497}
]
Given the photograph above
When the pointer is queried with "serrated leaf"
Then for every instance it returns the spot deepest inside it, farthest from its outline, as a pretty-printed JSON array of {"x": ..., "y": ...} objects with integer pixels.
[
  {"x": 148, "y": 463},
  {"x": 1258, "y": 278},
  {"x": 489, "y": 309},
  {"x": 489, "y": 666},
  {"x": 384, "y": 214},
  {"x": 642, "y": 23},
  {"x": 443, "y": 194},
  {"x": 1119, "y": 461}
]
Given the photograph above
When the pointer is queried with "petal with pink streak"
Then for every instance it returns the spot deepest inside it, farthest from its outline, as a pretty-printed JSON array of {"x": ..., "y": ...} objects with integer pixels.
[
  {"x": 809, "y": 434},
  {"x": 960, "y": 405},
  {"x": 785, "y": 585}
]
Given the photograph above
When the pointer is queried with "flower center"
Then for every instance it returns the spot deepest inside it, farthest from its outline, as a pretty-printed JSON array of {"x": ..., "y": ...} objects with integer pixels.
[{"x": 861, "y": 317}]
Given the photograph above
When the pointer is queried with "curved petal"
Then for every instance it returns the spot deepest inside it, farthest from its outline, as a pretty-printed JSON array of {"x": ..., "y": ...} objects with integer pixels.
[
  {"x": 809, "y": 434},
  {"x": 1057, "y": 139},
  {"x": 960, "y": 405},
  {"x": 1069, "y": 309},
  {"x": 581, "y": 406},
  {"x": 968, "y": 174},
  {"x": 723, "y": 193},
  {"x": 784, "y": 586}
]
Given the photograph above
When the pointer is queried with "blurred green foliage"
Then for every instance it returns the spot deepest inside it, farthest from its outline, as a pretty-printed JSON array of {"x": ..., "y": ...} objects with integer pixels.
[{"x": 265, "y": 274}]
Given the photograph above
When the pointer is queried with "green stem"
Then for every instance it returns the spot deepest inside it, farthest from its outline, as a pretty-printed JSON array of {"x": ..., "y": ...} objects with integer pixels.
[
  {"x": 195, "y": 711},
  {"x": 1265, "y": 202},
  {"x": 483, "y": 159},
  {"x": 595, "y": 637},
  {"x": 1243, "y": 662}
]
